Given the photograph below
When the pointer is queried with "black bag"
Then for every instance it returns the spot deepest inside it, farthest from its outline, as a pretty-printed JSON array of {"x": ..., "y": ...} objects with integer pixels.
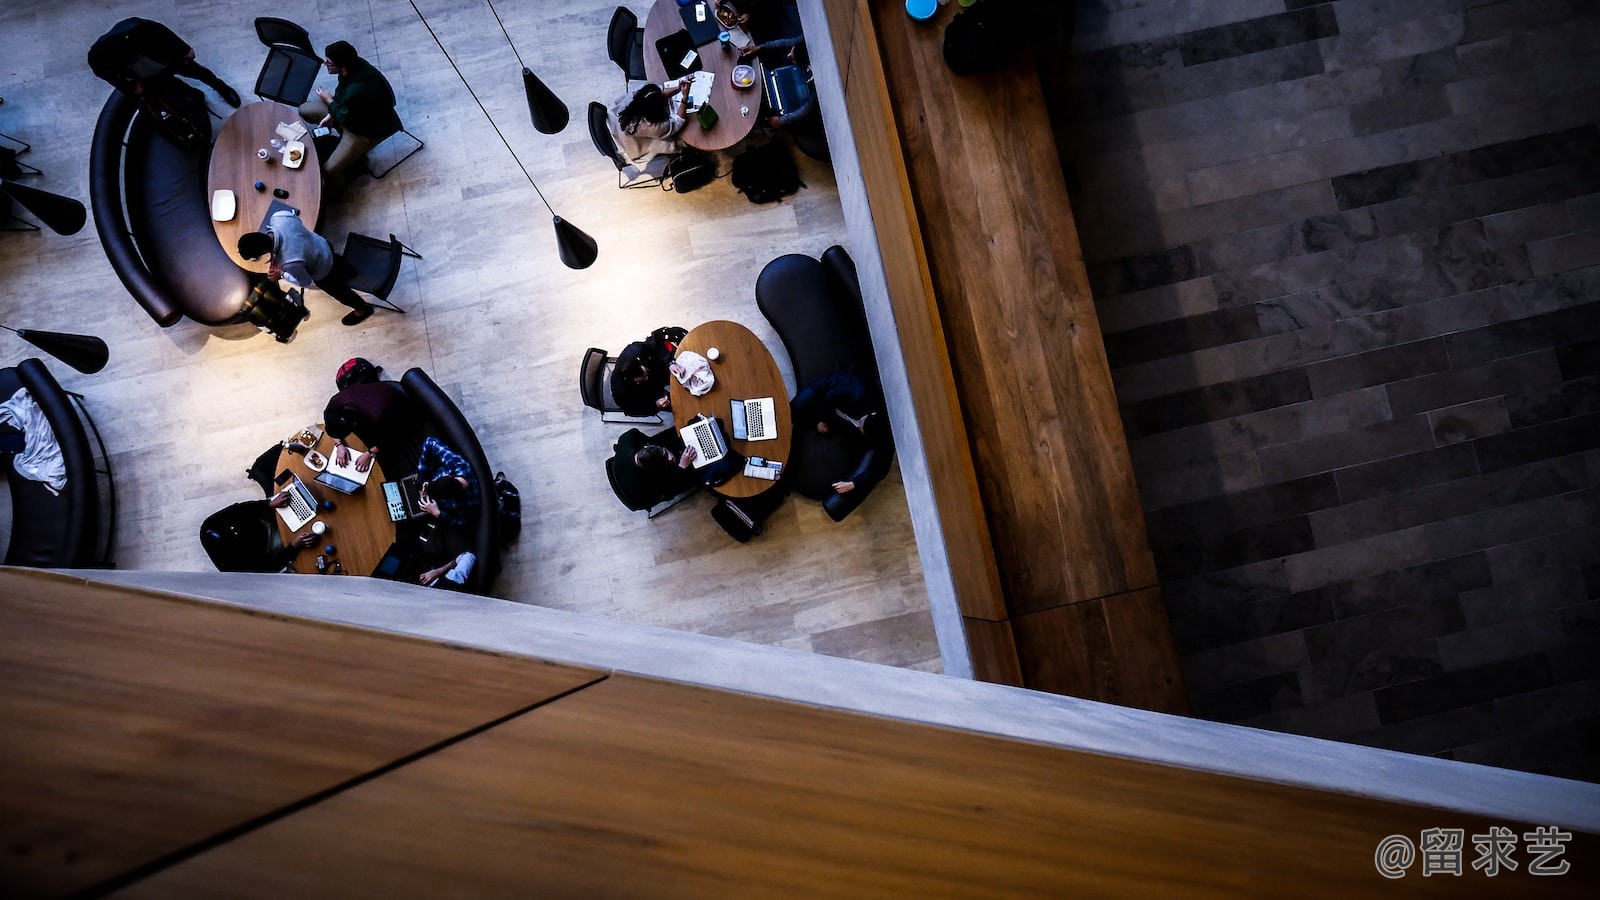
[
  {"x": 177, "y": 112},
  {"x": 738, "y": 523},
  {"x": 981, "y": 39},
  {"x": 509, "y": 500},
  {"x": 766, "y": 174},
  {"x": 690, "y": 170}
]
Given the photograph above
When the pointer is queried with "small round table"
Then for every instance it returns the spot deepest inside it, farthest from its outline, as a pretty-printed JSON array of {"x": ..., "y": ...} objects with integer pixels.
[
  {"x": 731, "y": 127},
  {"x": 745, "y": 370},
  {"x": 235, "y": 167},
  {"x": 359, "y": 526}
]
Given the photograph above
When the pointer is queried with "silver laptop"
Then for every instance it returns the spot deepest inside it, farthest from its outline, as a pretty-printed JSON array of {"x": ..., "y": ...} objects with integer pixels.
[
  {"x": 346, "y": 479},
  {"x": 403, "y": 498},
  {"x": 705, "y": 436},
  {"x": 753, "y": 420},
  {"x": 302, "y": 505}
]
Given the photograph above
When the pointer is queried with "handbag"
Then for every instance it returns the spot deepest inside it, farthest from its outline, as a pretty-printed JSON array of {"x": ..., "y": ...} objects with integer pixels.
[{"x": 690, "y": 170}]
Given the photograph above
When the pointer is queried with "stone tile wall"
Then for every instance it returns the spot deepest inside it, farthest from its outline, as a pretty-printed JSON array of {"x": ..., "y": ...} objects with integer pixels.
[{"x": 1347, "y": 260}]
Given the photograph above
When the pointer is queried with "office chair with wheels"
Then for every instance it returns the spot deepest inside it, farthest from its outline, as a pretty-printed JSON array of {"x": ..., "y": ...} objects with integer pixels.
[
  {"x": 292, "y": 63},
  {"x": 628, "y": 174},
  {"x": 594, "y": 384},
  {"x": 372, "y": 265},
  {"x": 625, "y": 44}
]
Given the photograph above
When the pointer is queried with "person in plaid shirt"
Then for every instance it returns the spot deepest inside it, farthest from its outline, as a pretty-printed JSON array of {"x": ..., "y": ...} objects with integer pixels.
[{"x": 449, "y": 489}]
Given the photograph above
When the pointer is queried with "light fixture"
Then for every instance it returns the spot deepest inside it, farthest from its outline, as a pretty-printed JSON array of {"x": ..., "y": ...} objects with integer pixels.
[
  {"x": 577, "y": 249},
  {"x": 63, "y": 215},
  {"x": 84, "y": 352},
  {"x": 548, "y": 113}
]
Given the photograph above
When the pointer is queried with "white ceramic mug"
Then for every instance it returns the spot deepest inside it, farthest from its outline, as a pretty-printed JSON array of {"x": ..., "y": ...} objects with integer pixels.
[{"x": 713, "y": 354}]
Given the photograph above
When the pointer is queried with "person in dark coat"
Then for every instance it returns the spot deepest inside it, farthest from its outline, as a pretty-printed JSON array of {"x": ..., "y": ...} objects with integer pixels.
[
  {"x": 361, "y": 107},
  {"x": 843, "y": 407},
  {"x": 639, "y": 380},
  {"x": 139, "y": 54},
  {"x": 380, "y": 413}
]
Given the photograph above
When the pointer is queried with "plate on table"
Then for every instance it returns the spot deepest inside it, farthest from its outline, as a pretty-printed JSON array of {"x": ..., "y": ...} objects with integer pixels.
[
  {"x": 223, "y": 205},
  {"x": 315, "y": 461},
  {"x": 294, "y": 155},
  {"x": 744, "y": 76}
]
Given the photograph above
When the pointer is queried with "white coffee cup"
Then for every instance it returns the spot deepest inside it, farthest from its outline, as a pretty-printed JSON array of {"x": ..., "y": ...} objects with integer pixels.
[
  {"x": 262, "y": 153},
  {"x": 713, "y": 354},
  {"x": 319, "y": 528}
]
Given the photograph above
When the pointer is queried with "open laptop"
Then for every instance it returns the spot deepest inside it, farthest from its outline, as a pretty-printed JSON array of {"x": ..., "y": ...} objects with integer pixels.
[
  {"x": 345, "y": 479},
  {"x": 753, "y": 420},
  {"x": 404, "y": 498},
  {"x": 302, "y": 505},
  {"x": 700, "y": 18},
  {"x": 787, "y": 90},
  {"x": 705, "y": 436}
]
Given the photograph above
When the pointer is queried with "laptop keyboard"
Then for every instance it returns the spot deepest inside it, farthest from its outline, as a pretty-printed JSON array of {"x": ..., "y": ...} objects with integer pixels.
[
  {"x": 754, "y": 425},
  {"x": 708, "y": 444},
  {"x": 298, "y": 504}
]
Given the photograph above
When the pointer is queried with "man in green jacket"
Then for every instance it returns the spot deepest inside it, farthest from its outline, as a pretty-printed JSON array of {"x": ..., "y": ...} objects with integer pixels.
[{"x": 361, "y": 108}]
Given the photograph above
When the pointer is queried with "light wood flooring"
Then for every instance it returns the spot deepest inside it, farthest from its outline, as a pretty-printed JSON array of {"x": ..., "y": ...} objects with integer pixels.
[{"x": 494, "y": 317}]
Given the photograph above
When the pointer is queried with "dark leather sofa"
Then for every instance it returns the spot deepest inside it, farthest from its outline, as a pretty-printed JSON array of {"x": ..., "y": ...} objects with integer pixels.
[
  {"x": 441, "y": 418},
  {"x": 153, "y": 215},
  {"x": 816, "y": 309},
  {"x": 50, "y": 530}
]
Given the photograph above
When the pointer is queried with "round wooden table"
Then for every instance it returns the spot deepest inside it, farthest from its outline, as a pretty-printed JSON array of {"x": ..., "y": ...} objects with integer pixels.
[
  {"x": 359, "y": 526},
  {"x": 731, "y": 127},
  {"x": 745, "y": 371},
  {"x": 235, "y": 167}
]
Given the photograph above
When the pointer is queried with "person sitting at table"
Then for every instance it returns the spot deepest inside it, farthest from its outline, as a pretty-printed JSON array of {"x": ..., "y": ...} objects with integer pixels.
[
  {"x": 647, "y": 122},
  {"x": 244, "y": 537},
  {"x": 796, "y": 55},
  {"x": 769, "y": 20},
  {"x": 658, "y": 466},
  {"x": 448, "y": 489},
  {"x": 841, "y": 405},
  {"x": 380, "y": 413},
  {"x": 453, "y": 575},
  {"x": 303, "y": 258},
  {"x": 137, "y": 54},
  {"x": 361, "y": 108},
  {"x": 639, "y": 380}
]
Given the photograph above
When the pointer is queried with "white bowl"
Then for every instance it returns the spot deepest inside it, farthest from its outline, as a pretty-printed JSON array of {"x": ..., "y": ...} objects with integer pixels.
[
  {"x": 744, "y": 76},
  {"x": 223, "y": 205}
]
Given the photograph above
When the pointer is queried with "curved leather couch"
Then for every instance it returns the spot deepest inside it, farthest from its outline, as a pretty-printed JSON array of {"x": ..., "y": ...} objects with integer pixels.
[
  {"x": 60, "y": 530},
  {"x": 441, "y": 418},
  {"x": 154, "y": 219},
  {"x": 816, "y": 309}
]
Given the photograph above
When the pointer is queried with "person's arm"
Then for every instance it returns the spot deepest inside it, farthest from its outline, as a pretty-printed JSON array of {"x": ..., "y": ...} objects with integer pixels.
[
  {"x": 296, "y": 273},
  {"x": 797, "y": 114}
]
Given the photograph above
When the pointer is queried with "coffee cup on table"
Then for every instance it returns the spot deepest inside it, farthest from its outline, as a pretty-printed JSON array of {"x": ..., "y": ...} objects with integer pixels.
[
  {"x": 726, "y": 39},
  {"x": 319, "y": 528},
  {"x": 713, "y": 354},
  {"x": 263, "y": 153}
]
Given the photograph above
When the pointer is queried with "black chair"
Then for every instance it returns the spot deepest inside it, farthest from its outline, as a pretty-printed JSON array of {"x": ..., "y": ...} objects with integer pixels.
[
  {"x": 625, "y": 43},
  {"x": 292, "y": 64},
  {"x": 628, "y": 174},
  {"x": 244, "y": 538},
  {"x": 372, "y": 265},
  {"x": 650, "y": 506},
  {"x": 594, "y": 384}
]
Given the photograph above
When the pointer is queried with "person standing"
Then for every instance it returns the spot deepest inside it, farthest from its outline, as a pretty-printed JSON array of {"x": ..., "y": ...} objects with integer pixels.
[
  {"x": 139, "y": 54},
  {"x": 361, "y": 108},
  {"x": 380, "y": 413},
  {"x": 303, "y": 258}
]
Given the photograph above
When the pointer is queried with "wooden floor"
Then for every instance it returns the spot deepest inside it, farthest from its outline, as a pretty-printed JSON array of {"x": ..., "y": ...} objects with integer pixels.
[
  {"x": 494, "y": 317},
  {"x": 161, "y": 748}
]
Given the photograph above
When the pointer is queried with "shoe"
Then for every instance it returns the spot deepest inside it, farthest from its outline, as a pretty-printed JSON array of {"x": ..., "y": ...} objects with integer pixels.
[
  {"x": 229, "y": 96},
  {"x": 356, "y": 317}
]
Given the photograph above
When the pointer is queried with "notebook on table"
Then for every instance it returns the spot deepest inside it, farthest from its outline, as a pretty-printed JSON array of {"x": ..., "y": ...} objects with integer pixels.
[
  {"x": 753, "y": 420},
  {"x": 705, "y": 436}
]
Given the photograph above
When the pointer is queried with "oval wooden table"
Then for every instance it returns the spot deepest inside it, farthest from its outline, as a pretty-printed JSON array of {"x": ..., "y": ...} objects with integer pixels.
[
  {"x": 731, "y": 127},
  {"x": 745, "y": 371},
  {"x": 359, "y": 526},
  {"x": 235, "y": 167}
]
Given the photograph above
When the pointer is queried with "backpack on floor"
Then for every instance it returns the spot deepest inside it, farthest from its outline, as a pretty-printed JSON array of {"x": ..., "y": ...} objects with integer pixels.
[
  {"x": 509, "y": 500},
  {"x": 690, "y": 170},
  {"x": 737, "y": 522},
  {"x": 766, "y": 174}
]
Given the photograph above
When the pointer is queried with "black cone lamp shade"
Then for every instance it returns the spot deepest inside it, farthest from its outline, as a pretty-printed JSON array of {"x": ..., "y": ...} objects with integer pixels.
[
  {"x": 549, "y": 114},
  {"x": 63, "y": 215},
  {"x": 86, "y": 353},
  {"x": 578, "y": 250}
]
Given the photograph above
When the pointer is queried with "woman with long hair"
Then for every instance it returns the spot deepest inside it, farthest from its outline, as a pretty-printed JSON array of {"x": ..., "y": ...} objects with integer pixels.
[{"x": 648, "y": 121}]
